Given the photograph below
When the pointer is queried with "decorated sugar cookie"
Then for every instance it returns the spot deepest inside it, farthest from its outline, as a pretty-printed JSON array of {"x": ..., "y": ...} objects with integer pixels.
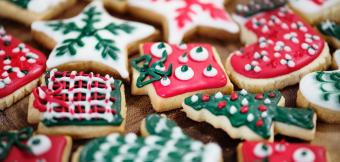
[
  {"x": 28, "y": 11},
  {"x": 21, "y": 67},
  {"x": 316, "y": 10},
  {"x": 168, "y": 73},
  {"x": 321, "y": 91},
  {"x": 331, "y": 30},
  {"x": 22, "y": 145},
  {"x": 251, "y": 116},
  {"x": 251, "y": 151},
  {"x": 164, "y": 141},
  {"x": 78, "y": 104},
  {"x": 92, "y": 41},
  {"x": 280, "y": 49},
  {"x": 181, "y": 19}
]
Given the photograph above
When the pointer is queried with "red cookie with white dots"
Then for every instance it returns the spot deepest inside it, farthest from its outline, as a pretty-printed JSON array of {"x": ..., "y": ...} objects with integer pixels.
[
  {"x": 281, "y": 48},
  {"x": 169, "y": 72},
  {"x": 21, "y": 67}
]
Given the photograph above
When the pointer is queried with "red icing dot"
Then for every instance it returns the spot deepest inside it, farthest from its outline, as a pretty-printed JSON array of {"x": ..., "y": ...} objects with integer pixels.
[
  {"x": 259, "y": 96},
  {"x": 272, "y": 95},
  {"x": 222, "y": 104},
  {"x": 233, "y": 96},
  {"x": 244, "y": 109},
  {"x": 259, "y": 123},
  {"x": 262, "y": 108},
  {"x": 205, "y": 98}
]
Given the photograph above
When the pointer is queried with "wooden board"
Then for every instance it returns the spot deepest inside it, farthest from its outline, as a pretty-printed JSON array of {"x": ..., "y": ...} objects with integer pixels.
[{"x": 139, "y": 106}]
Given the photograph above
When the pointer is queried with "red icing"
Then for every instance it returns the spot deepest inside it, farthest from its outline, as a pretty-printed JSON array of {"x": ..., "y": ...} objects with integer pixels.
[
  {"x": 285, "y": 156},
  {"x": 319, "y": 2},
  {"x": 221, "y": 104},
  {"x": 35, "y": 70},
  {"x": 198, "y": 82},
  {"x": 244, "y": 109},
  {"x": 55, "y": 153},
  {"x": 273, "y": 26}
]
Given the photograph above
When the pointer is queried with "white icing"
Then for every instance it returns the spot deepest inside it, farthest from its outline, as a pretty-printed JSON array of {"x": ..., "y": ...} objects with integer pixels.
[
  {"x": 194, "y": 98},
  {"x": 212, "y": 152},
  {"x": 309, "y": 7},
  {"x": 183, "y": 59},
  {"x": 260, "y": 152},
  {"x": 303, "y": 155},
  {"x": 244, "y": 102},
  {"x": 264, "y": 114},
  {"x": 186, "y": 75},
  {"x": 158, "y": 52},
  {"x": 212, "y": 73},
  {"x": 218, "y": 95},
  {"x": 88, "y": 52},
  {"x": 165, "y": 81},
  {"x": 199, "y": 56},
  {"x": 267, "y": 101},
  {"x": 232, "y": 110},
  {"x": 201, "y": 18},
  {"x": 161, "y": 125},
  {"x": 336, "y": 57},
  {"x": 40, "y": 6},
  {"x": 42, "y": 146},
  {"x": 130, "y": 138},
  {"x": 160, "y": 68},
  {"x": 250, "y": 117}
]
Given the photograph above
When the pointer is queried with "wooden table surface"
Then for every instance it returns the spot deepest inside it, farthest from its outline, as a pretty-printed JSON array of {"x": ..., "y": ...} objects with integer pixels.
[{"x": 327, "y": 135}]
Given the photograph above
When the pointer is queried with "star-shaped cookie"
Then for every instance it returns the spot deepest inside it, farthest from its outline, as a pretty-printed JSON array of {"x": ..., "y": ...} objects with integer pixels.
[
  {"x": 183, "y": 18},
  {"x": 92, "y": 41}
]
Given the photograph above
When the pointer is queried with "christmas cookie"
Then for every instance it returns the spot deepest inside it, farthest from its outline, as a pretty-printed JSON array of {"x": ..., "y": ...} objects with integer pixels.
[
  {"x": 168, "y": 73},
  {"x": 251, "y": 116},
  {"x": 28, "y": 11},
  {"x": 321, "y": 91},
  {"x": 182, "y": 19},
  {"x": 22, "y": 145},
  {"x": 78, "y": 104},
  {"x": 164, "y": 141},
  {"x": 331, "y": 30},
  {"x": 21, "y": 67},
  {"x": 281, "y": 48},
  {"x": 92, "y": 41},
  {"x": 315, "y": 11},
  {"x": 251, "y": 151}
]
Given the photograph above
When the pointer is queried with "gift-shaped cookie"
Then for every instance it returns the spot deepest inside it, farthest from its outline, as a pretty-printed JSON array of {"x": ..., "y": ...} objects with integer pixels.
[
  {"x": 251, "y": 151},
  {"x": 181, "y": 19},
  {"x": 28, "y": 11},
  {"x": 331, "y": 30},
  {"x": 321, "y": 91},
  {"x": 78, "y": 104},
  {"x": 93, "y": 41},
  {"x": 162, "y": 141},
  {"x": 168, "y": 73},
  {"x": 316, "y": 10},
  {"x": 280, "y": 49},
  {"x": 21, "y": 67},
  {"x": 251, "y": 116},
  {"x": 22, "y": 145}
]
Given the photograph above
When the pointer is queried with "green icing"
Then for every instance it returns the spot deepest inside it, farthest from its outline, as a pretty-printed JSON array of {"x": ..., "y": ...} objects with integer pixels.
[
  {"x": 330, "y": 84},
  {"x": 257, "y": 6},
  {"x": 107, "y": 46},
  {"x": 161, "y": 126},
  {"x": 261, "y": 120},
  {"x": 330, "y": 28},
  {"x": 142, "y": 65},
  {"x": 118, "y": 119},
  {"x": 20, "y": 3},
  {"x": 10, "y": 139}
]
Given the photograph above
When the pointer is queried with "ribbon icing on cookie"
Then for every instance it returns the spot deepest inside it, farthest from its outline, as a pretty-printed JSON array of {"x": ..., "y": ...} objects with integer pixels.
[
  {"x": 258, "y": 112},
  {"x": 285, "y": 43},
  {"x": 20, "y": 64},
  {"x": 165, "y": 143},
  {"x": 71, "y": 98},
  {"x": 256, "y": 6},
  {"x": 184, "y": 16},
  {"x": 37, "y": 6},
  {"x": 177, "y": 69},
  {"x": 93, "y": 35},
  {"x": 22, "y": 145},
  {"x": 330, "y": 28},
  {"x": 281, "y": 151}
]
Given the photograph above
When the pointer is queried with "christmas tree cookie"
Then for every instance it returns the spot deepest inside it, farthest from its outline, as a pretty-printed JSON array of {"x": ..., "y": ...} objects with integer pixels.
[
  {"x": 24, "y": 146},
  {"x": 21, "y": 67},
  {"x": 331, "y": 30},
  {"x": 321, "y": 91},
  {"x": 251, "y": 116},
  {"x": 78, "y": 104},
  {"x": 169, "y": 72},
  {"x": 164, "y": 141},
  {"x": 280, "y": 49},
  {"x": 315, "y": 11},
  {"x": 182, "y": 19},
  {"x": 251, "y": 151},
  {"x": 92, "y": 41},
  {"x": 28, "y": 11}
]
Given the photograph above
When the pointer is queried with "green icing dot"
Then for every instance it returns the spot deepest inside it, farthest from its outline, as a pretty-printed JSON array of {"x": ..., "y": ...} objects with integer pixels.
[
  {"x": 199, "y": 49},
  {"x": 184, "y": 68},
  {"x": 209, "y": 68}
]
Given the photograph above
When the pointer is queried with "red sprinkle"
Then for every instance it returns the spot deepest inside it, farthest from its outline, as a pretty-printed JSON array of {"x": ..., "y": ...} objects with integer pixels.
[
  {"x": 259, "y": 96},
  {"x": 205, "y": 98},
  {"x": 222, "y": 104},
  {"x": 233, "y": 96},
  {"x": 262, "y": 108},
  {"x": 272, "y": 94},
  {"x": 259, "y": 123},
  {"x": 244, "y": 109}
]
